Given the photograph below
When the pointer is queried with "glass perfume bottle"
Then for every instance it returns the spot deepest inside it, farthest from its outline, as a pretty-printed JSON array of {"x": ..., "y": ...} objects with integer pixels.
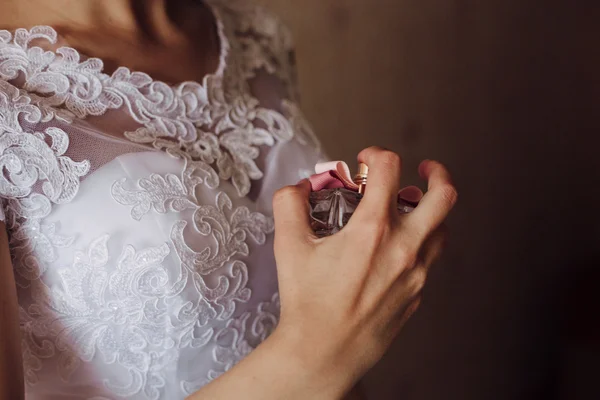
[{"x": 331, "y": 209}]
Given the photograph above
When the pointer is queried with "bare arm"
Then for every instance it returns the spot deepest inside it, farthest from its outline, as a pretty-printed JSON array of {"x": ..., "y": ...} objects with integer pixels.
[
  {"x": 11, "y": 364},
  {"x": 281, "y": 368},
  {"x": 278, "y": 369}
]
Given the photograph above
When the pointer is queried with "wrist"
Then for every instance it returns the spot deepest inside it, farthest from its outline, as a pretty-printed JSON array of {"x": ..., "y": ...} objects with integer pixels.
[{"x": 315, "y": 367}]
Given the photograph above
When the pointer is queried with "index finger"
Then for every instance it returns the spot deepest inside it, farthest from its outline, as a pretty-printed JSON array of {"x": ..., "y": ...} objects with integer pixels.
[
  {"x": 381, "y": 193},
  {"x": 440, "y": 198}
]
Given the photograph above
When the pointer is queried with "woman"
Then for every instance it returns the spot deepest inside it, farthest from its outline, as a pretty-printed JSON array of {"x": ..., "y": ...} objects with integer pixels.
[{"x": 138, "y": 212}]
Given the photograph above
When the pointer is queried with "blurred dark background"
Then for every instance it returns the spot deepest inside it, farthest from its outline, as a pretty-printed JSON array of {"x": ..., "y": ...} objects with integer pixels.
[{"x": 506, "y": 93}]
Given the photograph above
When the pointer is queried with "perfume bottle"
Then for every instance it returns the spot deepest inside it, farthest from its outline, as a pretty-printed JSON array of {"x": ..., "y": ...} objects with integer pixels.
[{"x": 331, "y": 209}]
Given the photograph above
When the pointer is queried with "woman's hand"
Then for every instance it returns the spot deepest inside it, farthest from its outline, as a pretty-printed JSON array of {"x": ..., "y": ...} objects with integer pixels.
[{"x": 345, "y": 297}]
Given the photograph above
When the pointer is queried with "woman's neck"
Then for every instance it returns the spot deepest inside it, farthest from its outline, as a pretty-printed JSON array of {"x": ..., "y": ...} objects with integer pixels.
[
  {"x": 158, "y": 21},
  {"x": 173, "y": 40}
]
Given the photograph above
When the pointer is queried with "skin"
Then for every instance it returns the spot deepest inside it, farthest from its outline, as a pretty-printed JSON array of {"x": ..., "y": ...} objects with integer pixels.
[
  {"x": 172, "y": 40},
  {"x": 384, "y": 258}
]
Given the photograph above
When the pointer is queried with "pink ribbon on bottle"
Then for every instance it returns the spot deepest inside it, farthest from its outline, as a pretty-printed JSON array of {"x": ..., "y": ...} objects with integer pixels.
[{"x": 336, "y": 174}]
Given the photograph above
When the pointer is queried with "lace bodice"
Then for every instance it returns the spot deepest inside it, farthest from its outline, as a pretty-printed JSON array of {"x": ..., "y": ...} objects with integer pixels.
[{"x": 139, "y": 213}]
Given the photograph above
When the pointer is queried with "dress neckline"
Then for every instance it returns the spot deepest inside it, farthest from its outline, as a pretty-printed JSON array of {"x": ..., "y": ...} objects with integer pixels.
[
  {"x": 50, "y": 34},
  {"x": 217, "y": 126}
]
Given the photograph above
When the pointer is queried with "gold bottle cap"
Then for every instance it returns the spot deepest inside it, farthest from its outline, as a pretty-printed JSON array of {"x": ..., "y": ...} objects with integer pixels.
[{"x": 363, "y": 170}]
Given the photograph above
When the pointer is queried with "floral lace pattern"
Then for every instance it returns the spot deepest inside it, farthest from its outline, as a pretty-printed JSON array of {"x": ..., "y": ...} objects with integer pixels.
[
  {"x": 27, "y": 160},
  {"x": 229, "y": 234},
  {"x": 216, "y": 123},
  {"x": 263, "y": 42},
  {"x": 103, "y": 301},
  {"x": 82, "y": 322},
  {"x": 237, "y": 339},
  {"x": 131, "y": 315}
]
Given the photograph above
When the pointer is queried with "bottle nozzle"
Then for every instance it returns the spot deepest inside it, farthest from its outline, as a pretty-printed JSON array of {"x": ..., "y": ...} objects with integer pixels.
[{"x": 361, "y": 177}]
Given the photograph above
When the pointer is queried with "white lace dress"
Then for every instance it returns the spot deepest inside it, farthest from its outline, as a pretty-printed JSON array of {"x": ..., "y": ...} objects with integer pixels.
[{"x": 139, "y": 214}]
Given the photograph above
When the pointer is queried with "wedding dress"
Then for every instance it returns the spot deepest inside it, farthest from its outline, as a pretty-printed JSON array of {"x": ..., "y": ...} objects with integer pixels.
[{"x": 139, "y": 213}]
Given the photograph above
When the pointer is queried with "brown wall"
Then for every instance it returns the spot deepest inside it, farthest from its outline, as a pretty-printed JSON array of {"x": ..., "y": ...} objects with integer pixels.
[{"x": 506, "y": 93}]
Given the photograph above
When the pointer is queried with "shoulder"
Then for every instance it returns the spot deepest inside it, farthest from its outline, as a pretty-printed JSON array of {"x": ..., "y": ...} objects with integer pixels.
[
  {"x": 260, "y": 37},
  {"x": 255, "y": 19}
]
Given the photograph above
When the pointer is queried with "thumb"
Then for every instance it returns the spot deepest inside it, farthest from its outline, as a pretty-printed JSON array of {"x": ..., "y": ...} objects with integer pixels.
[{"x": 291, "y": 212}]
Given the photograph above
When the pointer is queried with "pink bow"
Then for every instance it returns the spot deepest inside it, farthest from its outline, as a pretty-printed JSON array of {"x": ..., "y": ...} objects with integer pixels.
[{"x": 336, "y": 174}]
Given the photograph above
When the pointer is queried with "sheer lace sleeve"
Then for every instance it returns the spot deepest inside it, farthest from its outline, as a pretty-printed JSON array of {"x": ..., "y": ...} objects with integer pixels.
[{"x": 266, "y": 60}]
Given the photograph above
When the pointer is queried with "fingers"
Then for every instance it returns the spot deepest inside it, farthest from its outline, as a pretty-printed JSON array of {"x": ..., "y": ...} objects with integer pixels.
[
  {"x": 383, "y": 182},
  {"x": 410, "y": 310},
  {"x": 408, "y": 286},
  {"x": 414, "y": 282},
  {"x": 403, "y": 293},
  {"x": 291, "y": 211},
  {"x": 433, "y": 247},
  {"x": 437, "y": 202}
]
